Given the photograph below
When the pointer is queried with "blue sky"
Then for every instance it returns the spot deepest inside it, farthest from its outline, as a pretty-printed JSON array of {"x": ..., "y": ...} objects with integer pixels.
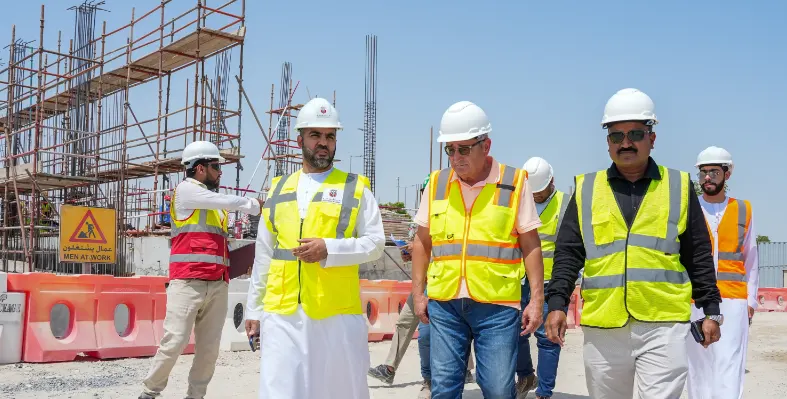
[{"x": 541, "y": 70}]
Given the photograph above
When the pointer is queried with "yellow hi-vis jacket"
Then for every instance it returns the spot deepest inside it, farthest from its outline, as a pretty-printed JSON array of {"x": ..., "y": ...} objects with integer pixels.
[
  {"x": 323, "y": 292},
  {"x": 478, "y": 246},
  {"x": 732, "y": 231},
  {"x": 551, "y": 218},
  {"x": 633, "y": 272}
]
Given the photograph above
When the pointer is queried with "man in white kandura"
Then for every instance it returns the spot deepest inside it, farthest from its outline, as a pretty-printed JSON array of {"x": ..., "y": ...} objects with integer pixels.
[
  {"x": 717, "y": 372},
  {"x": 304, "y": 299}
]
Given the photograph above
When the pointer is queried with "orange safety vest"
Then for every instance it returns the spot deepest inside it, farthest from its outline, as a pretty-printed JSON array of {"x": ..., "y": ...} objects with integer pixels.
[{"x": 732, "y": 231}]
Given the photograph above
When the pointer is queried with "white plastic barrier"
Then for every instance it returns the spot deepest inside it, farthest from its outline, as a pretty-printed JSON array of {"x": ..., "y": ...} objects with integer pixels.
[
  {"x": 12, "y": 313},
  {"x": 233, "y": 335},
  {"x": 3, "y": 282}
]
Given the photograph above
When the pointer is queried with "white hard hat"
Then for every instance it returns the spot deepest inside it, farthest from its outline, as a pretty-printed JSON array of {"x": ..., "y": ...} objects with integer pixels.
[
  {"x": 539, "y": 173},
  {"x": 715, "y": 156},
  {"x": 318, "y": 112},
  {"x": 629, "y": 105},
  {"x": 463, "y": 121},
  {"x": 200, "y": 150}
]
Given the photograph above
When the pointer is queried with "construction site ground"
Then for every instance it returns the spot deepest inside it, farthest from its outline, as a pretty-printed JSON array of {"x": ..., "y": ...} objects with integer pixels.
[{"x": 237, "y": 372}]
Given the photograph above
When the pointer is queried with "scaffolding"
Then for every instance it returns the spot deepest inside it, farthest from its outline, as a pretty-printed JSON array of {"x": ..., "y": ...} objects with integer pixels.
[{"x": 79, "y": 124}]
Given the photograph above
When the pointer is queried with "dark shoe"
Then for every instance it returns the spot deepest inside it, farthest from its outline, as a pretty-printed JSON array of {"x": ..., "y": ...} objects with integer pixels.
[
  {"x": 382, "y": 373},
  {"x": 426, "y": 390},
  {"x": 525, "y": 385},
  {"x": 146, "y": 396},
  {"x": 469, "y": 379}
]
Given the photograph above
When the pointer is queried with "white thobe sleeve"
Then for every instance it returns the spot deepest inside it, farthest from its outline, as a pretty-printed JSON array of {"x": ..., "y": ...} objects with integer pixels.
[
  {"x": 194, "y": 196},
  {"x": 751, "y": 263},
  {"x": 259, "y": 273},
  {"x": 368, "y": 243}
]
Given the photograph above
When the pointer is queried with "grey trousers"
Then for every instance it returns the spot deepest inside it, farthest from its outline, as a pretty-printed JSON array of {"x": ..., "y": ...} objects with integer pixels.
[{"x": 652, "y": 355}]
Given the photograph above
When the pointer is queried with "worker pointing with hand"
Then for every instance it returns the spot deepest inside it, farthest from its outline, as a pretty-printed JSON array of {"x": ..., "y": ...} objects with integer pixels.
[{"x": 197, "y": 292}]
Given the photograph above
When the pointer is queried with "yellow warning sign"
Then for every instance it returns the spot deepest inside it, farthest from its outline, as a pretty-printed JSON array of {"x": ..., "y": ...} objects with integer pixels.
[{"x": 87, "y": 234}]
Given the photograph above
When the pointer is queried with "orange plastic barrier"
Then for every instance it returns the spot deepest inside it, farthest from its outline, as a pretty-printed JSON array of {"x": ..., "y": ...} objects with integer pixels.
[
  {"x": 92, "y": 301},
  {"x": 574, "y": 309},
  {"x": 138, "y": 340},
  {"x": 376, "y": 300},
  {"x": 772, "y": 299},
  {"x": 44, "y": 291},
  {"x": 399, "y": 293}
]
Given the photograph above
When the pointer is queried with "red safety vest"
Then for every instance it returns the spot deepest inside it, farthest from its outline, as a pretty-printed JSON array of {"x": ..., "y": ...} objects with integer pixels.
[{"x": 200, "y": 249}]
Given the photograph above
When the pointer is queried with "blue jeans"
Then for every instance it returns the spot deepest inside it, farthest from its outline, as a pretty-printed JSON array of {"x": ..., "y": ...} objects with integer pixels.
[
  {"x": 424, "y": 350},
  {"x": 548, "y": 353},
  {"x": 494, "y": 328}
]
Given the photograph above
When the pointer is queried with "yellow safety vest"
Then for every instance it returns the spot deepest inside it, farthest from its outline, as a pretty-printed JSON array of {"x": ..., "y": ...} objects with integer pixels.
[
  {"x": 551, "y": 218},
  {"x": 633, "y": 272},
  {"x": 478, "y": 246},
  {"x": 323, "y": 292}
]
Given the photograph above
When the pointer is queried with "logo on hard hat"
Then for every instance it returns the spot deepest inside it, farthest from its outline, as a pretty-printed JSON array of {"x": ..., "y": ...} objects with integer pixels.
[{"x": 323, "y": 110}]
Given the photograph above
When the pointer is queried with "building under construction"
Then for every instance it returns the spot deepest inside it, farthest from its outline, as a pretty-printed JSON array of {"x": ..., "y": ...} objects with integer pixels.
[{"x": 100, "y": 119}]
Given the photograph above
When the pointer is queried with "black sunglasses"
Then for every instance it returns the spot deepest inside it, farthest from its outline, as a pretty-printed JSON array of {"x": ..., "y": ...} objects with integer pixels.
[
  {"x": 633, "y": 136},
  {"x": 215, "y": 166},
  {"x": 463, "y": 149}
]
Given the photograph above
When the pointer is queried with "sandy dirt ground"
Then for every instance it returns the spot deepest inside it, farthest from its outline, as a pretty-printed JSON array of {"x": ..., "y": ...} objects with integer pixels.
[{"x": 237, "y": 372}]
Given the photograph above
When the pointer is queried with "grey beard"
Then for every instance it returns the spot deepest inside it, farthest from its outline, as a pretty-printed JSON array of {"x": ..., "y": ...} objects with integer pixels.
[{"x": 318, "y": 163}]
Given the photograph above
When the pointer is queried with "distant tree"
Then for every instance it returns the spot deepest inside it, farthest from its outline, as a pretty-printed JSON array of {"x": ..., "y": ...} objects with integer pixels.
[{"x": 761, "y": 239}]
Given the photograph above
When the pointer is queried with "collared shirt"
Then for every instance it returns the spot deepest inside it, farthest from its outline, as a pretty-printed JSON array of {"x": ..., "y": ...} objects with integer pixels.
[
  {"x": 366, "y": 245},
  {"x": 713, "y": 213},
  {"x": 191, "y": 195},
  {"x": 540, "y": 206},
  {"x": 695, "y": 247},
  {"x": 527, "y": 217}
]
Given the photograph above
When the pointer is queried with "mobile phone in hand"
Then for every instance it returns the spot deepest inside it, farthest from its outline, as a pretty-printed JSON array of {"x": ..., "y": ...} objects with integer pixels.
[
  {"x": 696, "y": 330},
  {"x": 254, "y": 342}
]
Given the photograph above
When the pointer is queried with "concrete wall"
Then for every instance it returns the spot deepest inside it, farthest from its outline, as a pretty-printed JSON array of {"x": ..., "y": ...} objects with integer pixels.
[
  {"x": 385, "y": 268},
  {"x": 151, "y": 254}
]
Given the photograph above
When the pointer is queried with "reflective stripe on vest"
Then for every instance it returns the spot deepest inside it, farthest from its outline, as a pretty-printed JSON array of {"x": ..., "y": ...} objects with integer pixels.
[
  {"x": 731, "y": 235},
  {"x": 634, "y": 271},
  {"x": 478, "y": 246},
  {"x": 551, "y": 219},
  {"x": 198, "y": 243},
  {"x": 322, "y": 292}
]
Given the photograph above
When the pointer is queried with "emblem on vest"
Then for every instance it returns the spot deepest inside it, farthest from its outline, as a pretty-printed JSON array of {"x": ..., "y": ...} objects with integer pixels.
[{"x": 332, "y": 195}]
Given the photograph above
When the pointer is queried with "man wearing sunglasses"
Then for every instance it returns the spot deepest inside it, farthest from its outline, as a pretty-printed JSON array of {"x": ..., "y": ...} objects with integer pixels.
[
  {"x": 640, "y": 233},
  {"x": 718, "y": 371},
  {"x": 318, "y": 224},
  {"x": 477, "y": 223},
  {"x": 198, "y": 274}
]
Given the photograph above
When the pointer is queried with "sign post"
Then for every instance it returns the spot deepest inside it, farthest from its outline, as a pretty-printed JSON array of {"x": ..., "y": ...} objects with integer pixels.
[{"x": 87, "y": 234}]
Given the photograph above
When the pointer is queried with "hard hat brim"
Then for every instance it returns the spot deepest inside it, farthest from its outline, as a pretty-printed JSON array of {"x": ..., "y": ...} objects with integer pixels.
[
  {"x": 629, "y": 118},
  {"x": 450, "y": 138}
]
